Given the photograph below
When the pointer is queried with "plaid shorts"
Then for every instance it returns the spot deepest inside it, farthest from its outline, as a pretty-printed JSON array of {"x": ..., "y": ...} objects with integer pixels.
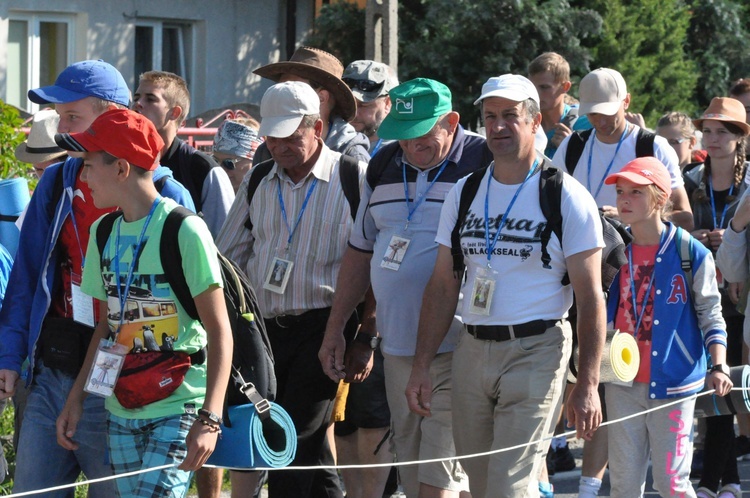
[{"x": 136, "y": 444}]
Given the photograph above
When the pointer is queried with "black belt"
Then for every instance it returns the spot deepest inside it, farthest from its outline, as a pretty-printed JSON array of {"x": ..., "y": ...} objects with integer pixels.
[
  {"x": 289, "y": 321},
  {"x": 507, "y": 332}
]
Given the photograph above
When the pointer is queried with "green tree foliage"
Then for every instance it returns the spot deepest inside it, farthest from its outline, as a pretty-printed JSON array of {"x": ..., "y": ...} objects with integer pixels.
[
  {"x": 646, "y": 41},
  {"x": 719, "y": 41},
  {"x": 464, "y": 42},
  {"x": 10, "y": 137},
  {"x": 340, "y": 30}
]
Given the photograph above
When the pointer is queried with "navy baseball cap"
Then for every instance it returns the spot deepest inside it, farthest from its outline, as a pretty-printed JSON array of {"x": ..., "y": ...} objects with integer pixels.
[{"x": 84, "y": 79}]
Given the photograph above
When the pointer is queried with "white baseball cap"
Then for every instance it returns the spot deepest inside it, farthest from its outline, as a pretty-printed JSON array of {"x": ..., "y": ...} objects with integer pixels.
[
  {"x": 510, "y": 86},
  {"x": 284, "y": 105},
  {"x": 602, "y": 91}
]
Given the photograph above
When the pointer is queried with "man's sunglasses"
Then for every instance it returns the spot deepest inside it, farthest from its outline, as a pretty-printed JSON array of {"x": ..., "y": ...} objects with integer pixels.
[{"x": 363, "y": 85}]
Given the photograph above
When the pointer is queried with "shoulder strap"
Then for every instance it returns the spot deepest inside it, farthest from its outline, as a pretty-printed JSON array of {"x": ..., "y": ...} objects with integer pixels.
[
  {"x": 550, "y": 200},
  {"x": 576, "y": 143},
  {"x": 262, "y": 154},
  {"x": 467, "y": 196},
  {"x": 376, "y": 167},
  {"x": 644, "y": 143},
  {"x": 171, "y": 259},
  {"x": 160, "y": 183},
  {"x": 685, "y": 245},
  {"x": 258, "y": 172},
  {"x": 349, "y": 176},
  {"x": 104, "y": 230}
]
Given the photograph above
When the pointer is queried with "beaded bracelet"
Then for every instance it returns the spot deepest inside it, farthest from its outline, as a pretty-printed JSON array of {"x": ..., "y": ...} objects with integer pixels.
[{"x": 212, "y": 427}]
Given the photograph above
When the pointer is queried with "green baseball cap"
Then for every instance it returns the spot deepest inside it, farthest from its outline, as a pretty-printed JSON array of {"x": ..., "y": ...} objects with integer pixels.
[{"x": 416, "y": 106}]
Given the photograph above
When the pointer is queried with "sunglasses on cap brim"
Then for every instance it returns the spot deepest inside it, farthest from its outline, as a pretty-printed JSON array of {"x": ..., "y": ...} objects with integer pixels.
[{"x": 364, "y": 85}]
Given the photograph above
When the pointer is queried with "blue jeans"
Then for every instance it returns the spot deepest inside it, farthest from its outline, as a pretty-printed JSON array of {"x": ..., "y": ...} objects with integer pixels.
[{"x": 41, "y": 462}]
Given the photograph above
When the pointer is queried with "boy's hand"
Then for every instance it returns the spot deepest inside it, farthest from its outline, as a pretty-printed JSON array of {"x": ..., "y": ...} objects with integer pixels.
[
  {"x": 67, "y": 423},
  {"x": 201, "y": 441}
]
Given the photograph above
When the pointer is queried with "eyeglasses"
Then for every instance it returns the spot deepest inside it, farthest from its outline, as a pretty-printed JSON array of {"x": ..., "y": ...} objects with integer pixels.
[
  {"x": 364, "y": 85},
  {"x": 229, "y": 164},
  {"x": 676, "y": 141}
]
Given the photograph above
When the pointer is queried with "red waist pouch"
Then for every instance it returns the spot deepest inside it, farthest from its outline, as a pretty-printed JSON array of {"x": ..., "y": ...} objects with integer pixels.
[{"x": 149, "y": 377}]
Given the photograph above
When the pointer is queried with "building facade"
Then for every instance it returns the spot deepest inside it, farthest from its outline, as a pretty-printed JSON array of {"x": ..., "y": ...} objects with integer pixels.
[{"x": 213, "y": 44}]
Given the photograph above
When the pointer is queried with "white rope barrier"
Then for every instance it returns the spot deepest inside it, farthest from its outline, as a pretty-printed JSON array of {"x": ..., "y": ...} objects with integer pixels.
[{"x": 371, "y": 466}]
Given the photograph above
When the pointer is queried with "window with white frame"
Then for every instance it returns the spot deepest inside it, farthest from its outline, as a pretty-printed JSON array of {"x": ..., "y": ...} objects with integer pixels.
[
  {"x": 163, "y": 46},
  {"x": 40, "y": 46}
]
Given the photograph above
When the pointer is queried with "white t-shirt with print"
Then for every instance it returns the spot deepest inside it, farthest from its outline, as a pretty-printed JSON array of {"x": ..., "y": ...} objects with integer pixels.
[{"x": 524, "y": 290}]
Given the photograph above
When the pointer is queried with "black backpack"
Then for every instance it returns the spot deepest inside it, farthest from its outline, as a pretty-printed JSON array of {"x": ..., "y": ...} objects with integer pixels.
[
  {"x": 253, "y": 374},
  {"x": 348, "y": 175},
  {"x": 616, "y": 237},
  {"x": 644, "y": 146}
]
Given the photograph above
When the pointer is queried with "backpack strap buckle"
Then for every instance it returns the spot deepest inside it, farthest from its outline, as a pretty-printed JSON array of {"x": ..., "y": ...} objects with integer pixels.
[{"x": 262, "y": 405}]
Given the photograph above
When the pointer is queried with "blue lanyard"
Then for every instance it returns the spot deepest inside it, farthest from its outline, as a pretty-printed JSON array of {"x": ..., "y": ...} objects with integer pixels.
[
  {"x": 290, "y": 229},
  {"x": 633, "y": 295},
  {"x": 713, "y": 204},
  {"x": 75, "y": 230},
  {"x": 123, "y": 296},
  {"x": 611, "y": 162},
  {"x": 412, "y": 210},
  {"x": 377, "y": 147},
  {"x": 491, "y": 246}
]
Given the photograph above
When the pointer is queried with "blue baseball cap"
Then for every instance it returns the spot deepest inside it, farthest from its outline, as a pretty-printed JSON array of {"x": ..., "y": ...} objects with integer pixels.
[{"x": 84, "y": 79}]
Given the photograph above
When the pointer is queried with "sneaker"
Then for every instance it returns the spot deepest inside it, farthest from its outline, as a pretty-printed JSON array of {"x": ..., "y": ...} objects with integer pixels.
[
  {"x": 546, "y": 490},
  {"x": 742, "y": 447},
  {"x": 704, "y": 493},
  {"x": 564, "y": 459},
  {"x": 696, "y": 467},
  {"x": 730, "y": 491}
]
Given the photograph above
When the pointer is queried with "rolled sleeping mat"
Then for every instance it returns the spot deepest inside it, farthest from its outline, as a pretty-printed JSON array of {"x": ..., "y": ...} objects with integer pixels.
[
  {"x": 251, "y": 442},
  {"x": 737, "y": 401},
  {"x": 14, "y": 197},
  {"x": 620, "y": 359}
]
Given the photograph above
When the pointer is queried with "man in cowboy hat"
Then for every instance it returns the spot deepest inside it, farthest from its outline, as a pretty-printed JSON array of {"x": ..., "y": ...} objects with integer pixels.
[{"x": 323, "y": 72}]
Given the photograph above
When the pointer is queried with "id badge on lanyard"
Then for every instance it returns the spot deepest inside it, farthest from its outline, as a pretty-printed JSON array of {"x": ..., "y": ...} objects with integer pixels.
[
  {"x": 395, "y": 252},
  {"x": 482, "y": 291},
  {"x": 83, "y": 305},
  {"x": 108, "y": 362},
  {"x": 279, "y": 272}
]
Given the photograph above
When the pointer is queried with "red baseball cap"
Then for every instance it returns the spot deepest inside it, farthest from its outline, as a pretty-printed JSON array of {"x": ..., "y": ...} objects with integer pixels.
[
  {"x": 644, "y": 171},
  {"x": 122, "y": 133}
]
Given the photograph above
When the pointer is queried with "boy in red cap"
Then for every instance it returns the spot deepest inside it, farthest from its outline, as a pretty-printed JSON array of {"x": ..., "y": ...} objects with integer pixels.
[
  {"x": 141, "y": 316},
  {"x": 653, "y": 299}
]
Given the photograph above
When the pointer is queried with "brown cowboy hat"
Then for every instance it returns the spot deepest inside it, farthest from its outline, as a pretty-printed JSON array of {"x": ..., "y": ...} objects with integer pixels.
[
  {"x": 321, "y": 67},
  {"x": 725, "y": 109}
]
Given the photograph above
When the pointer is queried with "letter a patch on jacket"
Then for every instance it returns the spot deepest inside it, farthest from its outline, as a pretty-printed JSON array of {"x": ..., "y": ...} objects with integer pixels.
[{"x": 679, "y": 290}]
